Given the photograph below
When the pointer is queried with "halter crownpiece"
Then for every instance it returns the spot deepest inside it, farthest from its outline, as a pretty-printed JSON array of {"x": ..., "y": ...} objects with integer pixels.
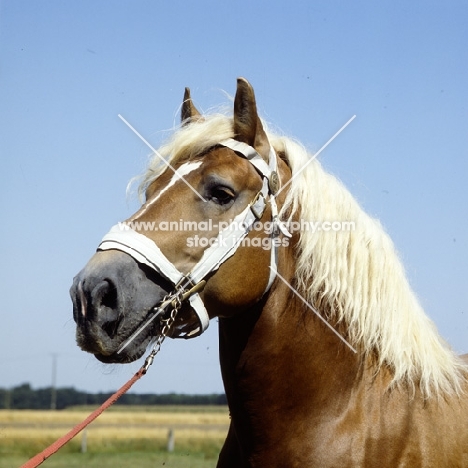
[{"x": 145, "y": 251}]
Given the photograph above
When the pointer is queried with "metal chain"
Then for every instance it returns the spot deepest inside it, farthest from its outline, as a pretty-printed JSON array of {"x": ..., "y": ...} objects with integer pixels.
[{"x": 176, "y": 305}]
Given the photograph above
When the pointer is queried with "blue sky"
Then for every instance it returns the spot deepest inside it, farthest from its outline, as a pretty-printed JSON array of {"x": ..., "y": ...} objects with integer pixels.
[{"x": 69, "y": 68}]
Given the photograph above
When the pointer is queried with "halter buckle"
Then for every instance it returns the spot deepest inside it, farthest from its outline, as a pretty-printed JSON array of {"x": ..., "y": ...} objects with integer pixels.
[
  {"x": 273, "y": 183},
  {"x": 258, "y": 205}
]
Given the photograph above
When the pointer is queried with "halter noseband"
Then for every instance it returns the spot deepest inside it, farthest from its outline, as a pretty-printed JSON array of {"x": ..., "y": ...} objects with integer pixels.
[{"x": 145, "y": 251}]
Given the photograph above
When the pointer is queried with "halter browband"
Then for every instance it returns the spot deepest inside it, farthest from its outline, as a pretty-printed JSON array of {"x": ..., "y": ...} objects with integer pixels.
[{"x": 145, "y": 251}]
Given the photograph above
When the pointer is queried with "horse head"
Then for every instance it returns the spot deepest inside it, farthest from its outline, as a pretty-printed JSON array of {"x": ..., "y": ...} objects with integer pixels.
[{"x": 205, "y": 242}]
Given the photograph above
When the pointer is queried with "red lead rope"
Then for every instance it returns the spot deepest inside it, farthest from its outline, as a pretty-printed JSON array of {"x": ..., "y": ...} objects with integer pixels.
[{"x": 58, "y": 444}]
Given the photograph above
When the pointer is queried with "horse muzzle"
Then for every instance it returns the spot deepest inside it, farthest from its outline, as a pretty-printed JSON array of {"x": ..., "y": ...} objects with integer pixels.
[{"x": 112, "y": 296}]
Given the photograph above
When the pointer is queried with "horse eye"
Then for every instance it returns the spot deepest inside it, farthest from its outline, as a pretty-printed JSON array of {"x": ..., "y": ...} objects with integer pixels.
[{"x": 221, "y": 195}]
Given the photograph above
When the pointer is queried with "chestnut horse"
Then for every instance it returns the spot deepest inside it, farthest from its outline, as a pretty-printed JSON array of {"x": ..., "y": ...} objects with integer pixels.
[{"x": 326, "y": 356}]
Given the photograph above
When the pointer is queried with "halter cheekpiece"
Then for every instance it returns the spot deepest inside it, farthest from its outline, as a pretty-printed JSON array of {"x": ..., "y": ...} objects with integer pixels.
[{"x": 187, "y": 287}]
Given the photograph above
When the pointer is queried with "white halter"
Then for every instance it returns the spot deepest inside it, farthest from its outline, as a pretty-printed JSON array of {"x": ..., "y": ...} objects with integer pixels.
[{"x": 145, "y": 251}]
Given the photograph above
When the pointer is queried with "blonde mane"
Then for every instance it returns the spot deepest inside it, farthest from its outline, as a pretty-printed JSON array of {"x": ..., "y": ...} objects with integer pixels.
[{"x": 353, "y": 277}]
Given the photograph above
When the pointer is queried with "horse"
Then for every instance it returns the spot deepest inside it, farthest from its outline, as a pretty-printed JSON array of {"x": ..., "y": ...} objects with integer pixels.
[{"x": 327, "y": 358}]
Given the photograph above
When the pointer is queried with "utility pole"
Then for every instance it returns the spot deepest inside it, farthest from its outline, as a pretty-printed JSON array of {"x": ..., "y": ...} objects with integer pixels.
[{"x": 53, "y": 390}]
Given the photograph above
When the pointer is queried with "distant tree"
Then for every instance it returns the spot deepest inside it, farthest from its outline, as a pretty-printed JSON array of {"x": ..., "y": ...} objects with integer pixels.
[{"x": 24, "y": 397}]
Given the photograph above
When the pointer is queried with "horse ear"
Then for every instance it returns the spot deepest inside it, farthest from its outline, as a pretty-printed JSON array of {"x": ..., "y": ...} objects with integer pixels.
[
  {"x": 247, "y": 125},
  {"x": 189, "y": 112}
]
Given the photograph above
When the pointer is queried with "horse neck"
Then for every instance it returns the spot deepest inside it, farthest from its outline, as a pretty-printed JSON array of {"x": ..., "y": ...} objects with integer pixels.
[{"x": 279, "y": 360}]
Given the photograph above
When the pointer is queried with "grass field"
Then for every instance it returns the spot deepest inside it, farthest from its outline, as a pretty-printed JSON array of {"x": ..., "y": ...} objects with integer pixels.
[{"x": 121, "y": 437}]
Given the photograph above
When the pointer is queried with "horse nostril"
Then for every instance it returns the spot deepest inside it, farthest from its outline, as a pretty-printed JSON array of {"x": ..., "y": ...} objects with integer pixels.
[
  {"x": 106, "y": 293},
  {"x": 96, "y": 302},
  {"x": 105, "y": 304},
  {"x": 104, "y": 300}
]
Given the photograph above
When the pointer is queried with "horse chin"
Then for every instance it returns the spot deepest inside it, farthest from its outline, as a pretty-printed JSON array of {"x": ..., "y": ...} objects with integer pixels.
[
  {"x": 112, "y": 344},
  {"x": 122, "y": 358},
  {"x": 108, "y": 351}
]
